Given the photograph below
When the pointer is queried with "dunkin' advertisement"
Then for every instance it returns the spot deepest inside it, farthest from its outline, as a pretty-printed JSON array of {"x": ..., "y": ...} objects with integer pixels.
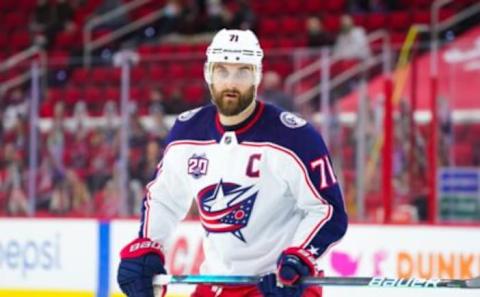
[{"x": 406, "y": 251}]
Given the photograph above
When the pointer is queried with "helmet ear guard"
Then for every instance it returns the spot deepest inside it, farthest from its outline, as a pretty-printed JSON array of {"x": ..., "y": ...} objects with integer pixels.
[{"x": 234, "y": 46}]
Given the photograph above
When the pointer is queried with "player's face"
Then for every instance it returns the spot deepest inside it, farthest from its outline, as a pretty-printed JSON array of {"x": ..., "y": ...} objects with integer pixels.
[{"x": 233, "y": 87}]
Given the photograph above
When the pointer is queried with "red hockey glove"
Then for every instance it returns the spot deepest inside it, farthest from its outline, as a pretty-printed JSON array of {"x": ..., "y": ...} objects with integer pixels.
[{"x": 295, "y": 263}]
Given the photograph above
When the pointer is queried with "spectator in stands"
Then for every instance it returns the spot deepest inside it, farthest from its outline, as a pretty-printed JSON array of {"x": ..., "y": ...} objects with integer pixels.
[
  {"x": 175, "y": 104},
  {"x": 43, "y": 17},
  {"x": 190, "y": 19},
  {"x": 112, "y": 122},
  {"x": 393, "y": 4},
  {"x": 352, "y": 42},
  {"x": 402, "y": 162},
  {"x": 77, "y": 154},
  {"x": 476, "y": 154},
  {"x": 17, "y": 103},
  {"x": 401, "y": 151},
  {"x": 378, "y": 6},
  {"x": 80, "y": 196},
  {"x": 317, "y": 36},
  {"x": 18, "y": 99},
  {"x": 156, "y": 108},
  {"x": 138, "y": 141},
  {"x": 1, "y": 127},
  {"x": 9, "y": 120},
  {"x": 70, "y": 31},
  {"x": 56, "y": 141},
  {"x": 100, "y": 164},
  {"x": 13, "y": 181},
  {"x": 218, "y": 16},
  {"x": 4, "y": 186},
  {"x": 45, "y": 184},
  {"x": 159, "y": 128},
  {"x": 446, "y": 131},
  {"x": 49, "y": 18},
  {"x": 156, "y": 99},
  {"x": 138, "y": 133},
  {"x": 46, "y": 105},
  {"x": 403, "y": 132},
  {"x": 273, "y": 92},
  {"x": 102, "y": 156},
  {"x": 365, "y": 6},
  {"x": 107, "y": 202},
  {"x": 64, "y": 14},
  {"x": 136, "y": 193},
  {"x": 244, "y": 17},
  {"x": 142, "y": 172},
  {"x": 358, "y": 6},
  {"x": 150, "y": 161},
  {"x": 172, "y": 14},
  {"x": 18, "y": 136},
  {"x": 80, "y": 116}
]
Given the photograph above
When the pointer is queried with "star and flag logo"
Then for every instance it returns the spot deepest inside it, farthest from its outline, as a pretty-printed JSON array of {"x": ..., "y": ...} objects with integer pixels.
[{"x": 226, "y": 207}]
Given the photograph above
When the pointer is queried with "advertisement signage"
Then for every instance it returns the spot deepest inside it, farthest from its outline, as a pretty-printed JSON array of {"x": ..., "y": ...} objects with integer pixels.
[
  {"x": 46, "y": 257},
  {"x": 48, "y": 254},
  {"x": 366, "y": 250},
  {"x": 459, "y": 194}
]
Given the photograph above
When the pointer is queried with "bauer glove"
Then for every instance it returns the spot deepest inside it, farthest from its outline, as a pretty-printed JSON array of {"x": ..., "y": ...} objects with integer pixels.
[{"x": 141, "y": 260}]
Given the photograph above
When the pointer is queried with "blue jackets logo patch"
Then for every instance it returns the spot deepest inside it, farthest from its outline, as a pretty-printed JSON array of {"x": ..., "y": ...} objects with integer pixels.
[
  {"x": 291, "y": 120},
  {"x": 186, "y": 115},
  {"x": 226, "y": 207}
]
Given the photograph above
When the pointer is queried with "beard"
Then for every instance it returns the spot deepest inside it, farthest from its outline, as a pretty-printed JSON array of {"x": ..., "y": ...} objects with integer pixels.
[{"x": 231, "y": 102}]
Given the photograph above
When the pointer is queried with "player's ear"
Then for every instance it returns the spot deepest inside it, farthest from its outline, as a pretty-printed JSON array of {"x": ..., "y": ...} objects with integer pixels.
[{"x": 207, "y": 74}]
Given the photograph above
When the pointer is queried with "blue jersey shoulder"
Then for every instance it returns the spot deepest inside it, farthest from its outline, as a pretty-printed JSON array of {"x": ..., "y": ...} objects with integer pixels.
[
  {"x": 293, "y": 132},
  {"x": 193, "y": 124}
]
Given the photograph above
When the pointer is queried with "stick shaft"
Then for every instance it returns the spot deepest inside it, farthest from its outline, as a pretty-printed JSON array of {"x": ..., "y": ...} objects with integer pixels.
[{"x": 375, "y": 282}]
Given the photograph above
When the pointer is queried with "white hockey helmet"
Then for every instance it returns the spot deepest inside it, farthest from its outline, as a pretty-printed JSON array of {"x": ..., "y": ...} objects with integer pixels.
[{"x": 234, "y": 46}]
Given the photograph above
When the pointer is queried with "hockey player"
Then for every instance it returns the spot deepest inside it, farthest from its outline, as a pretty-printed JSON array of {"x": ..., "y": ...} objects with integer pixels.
[{"x": 262, "y": 179}]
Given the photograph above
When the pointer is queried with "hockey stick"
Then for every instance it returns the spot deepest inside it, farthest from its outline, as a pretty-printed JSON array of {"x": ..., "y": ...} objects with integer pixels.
[{"x": 373, "y": 282}]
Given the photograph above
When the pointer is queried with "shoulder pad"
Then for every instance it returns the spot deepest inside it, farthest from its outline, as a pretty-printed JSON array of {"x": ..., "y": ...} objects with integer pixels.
[
  {"x": 187, "y": 115},
  {"x": 292, "y": 120}
]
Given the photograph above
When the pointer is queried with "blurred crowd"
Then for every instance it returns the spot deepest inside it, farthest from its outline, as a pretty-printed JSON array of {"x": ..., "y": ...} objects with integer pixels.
[
  {"x": 78, "y": 162},
  {"x": 64, "y": 19}
]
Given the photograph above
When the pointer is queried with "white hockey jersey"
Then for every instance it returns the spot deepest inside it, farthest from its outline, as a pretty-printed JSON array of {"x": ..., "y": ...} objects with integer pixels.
[{"x": 260, "y": 187}]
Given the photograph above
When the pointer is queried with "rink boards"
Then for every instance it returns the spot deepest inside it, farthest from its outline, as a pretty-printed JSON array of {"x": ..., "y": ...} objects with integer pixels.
[{"x": 63, "y": 257}]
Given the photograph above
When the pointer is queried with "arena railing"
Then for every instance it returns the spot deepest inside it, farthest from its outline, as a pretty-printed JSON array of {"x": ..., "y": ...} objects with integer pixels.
[
  {"x": 297, "y": 76},
  {"x": 90, "y": 45},
  {"x": 18, "y": 58}
]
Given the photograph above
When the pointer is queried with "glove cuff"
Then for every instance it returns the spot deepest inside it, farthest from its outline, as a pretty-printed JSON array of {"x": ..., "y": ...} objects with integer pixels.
[
  {"x": 140, "y": 247},
  {"x": 305, "y": 256}
]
